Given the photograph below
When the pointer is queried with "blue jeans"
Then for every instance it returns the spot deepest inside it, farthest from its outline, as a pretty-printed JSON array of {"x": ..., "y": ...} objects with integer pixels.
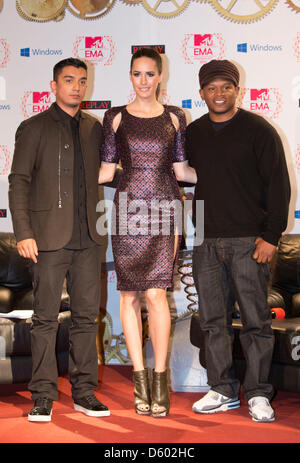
[{"x": 224, "y": 272}]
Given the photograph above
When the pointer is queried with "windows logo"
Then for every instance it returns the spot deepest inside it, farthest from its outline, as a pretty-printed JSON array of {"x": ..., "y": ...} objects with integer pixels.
[
  {"x": 187, "y": 104},
  {"x": 25, "y": 52},
  {"x": 242, "y": 47}
]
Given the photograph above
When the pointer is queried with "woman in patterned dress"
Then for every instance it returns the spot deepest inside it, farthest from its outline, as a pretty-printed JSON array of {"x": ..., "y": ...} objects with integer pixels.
[{"x": 148, "y": 138}]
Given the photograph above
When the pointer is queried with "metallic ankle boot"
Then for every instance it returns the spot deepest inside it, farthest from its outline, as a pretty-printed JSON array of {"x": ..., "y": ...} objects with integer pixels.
[
  {"x": 141, "y": 392},
  {"x": 160, "y": 404}
]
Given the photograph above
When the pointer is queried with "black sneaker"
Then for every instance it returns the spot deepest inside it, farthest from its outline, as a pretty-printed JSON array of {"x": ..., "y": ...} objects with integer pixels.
[
  {"x": 42, "y": 410},
  {"x": 91, "y": 406}
]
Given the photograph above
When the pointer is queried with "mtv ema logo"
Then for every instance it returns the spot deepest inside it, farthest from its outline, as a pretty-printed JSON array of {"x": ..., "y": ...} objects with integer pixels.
[
  {"x": 4, "y": 160},
  {"x": 4, "y": 53},
  {"x": 266, "y": 101},
  {"x": 36, "y": 102},
  {"x": 202, "y": 48},
  {"x": 95, "y": 49}
]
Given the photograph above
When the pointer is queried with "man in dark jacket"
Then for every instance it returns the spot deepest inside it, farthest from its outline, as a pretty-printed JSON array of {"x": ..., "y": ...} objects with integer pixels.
[
  {"x": 53, "y": 193},
  {"x": 243, "y": 180}
]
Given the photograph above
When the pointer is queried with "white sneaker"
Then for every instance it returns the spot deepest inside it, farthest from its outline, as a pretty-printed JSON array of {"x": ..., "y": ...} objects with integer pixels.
[
  {"x": 214, "y": 402},
  {"x": 261, "y": 410}
]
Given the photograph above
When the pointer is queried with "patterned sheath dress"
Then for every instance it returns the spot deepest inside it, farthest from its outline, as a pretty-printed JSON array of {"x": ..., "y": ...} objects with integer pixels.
[{"x": 143, "y": 245}]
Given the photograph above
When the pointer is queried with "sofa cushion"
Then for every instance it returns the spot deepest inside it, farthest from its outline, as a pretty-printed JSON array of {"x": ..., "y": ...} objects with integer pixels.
[
  {"x": 18, "y": 369},
  {"x": 285, "y": 275},
  {"x": 276, "y": 299},
  {"x": 287, "y": 341},
  {"x": 22, "y": 299},
  {"x": 15, "y": 278},
  {"x": 15, "y": 300},
  {"x": 14, "y": 269},
  {"x": 296, "y": 304},
  {"x": 15, "y": 336},
  {"x": 286, "y": 332}
]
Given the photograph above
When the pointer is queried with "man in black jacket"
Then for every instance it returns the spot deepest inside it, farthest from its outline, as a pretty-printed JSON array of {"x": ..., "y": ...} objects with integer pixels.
[
  {"x": 53, "y": 193},
  {"x": 243, "y": 180}
]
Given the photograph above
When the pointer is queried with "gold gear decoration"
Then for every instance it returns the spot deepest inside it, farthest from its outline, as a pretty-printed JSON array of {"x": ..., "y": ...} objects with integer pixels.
[
  {"x": 90, "y": 9},
  {"x": 104, "y": 337},
  {"x": 118, "y": 351},
  {"x": 293, "y": 6},
  {"x": 60, "y": 17},
  {"x": 155, "y": 5},
  {"x": 109, "y": 345},
  {"x": 226, "y": 7},
  {"x": 41, "y": 10},
  {"x": 1, "y": 4},
  {"x": 131, "y": 2}
]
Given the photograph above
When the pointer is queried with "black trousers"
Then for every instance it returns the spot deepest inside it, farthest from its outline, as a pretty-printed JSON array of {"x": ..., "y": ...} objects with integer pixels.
[
  {"x": 82, "y": 270},
  {"x": 224, "y": 271}
]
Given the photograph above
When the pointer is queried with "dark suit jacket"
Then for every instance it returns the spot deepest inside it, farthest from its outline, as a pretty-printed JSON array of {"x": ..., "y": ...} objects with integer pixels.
[{"x": 41, "y": 179}]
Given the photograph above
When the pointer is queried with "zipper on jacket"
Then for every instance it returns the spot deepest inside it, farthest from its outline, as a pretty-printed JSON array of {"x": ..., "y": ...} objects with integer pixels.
[{"x": 59, "y": 169}]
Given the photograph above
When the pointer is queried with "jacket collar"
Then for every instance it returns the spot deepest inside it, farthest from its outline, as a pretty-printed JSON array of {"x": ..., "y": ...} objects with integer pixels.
[{"x": 57, "y": 117}]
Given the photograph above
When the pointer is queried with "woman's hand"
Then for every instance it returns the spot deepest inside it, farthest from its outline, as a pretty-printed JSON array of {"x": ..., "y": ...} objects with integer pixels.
[
  {"x": 107, "y": 172},
  {"x": 184, "y": 172}
]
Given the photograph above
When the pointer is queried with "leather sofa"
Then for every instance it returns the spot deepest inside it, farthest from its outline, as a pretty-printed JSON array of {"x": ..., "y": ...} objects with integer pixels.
[
  {"x": 16, "y": 295},
  {"x": 283, "y": 292}
]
